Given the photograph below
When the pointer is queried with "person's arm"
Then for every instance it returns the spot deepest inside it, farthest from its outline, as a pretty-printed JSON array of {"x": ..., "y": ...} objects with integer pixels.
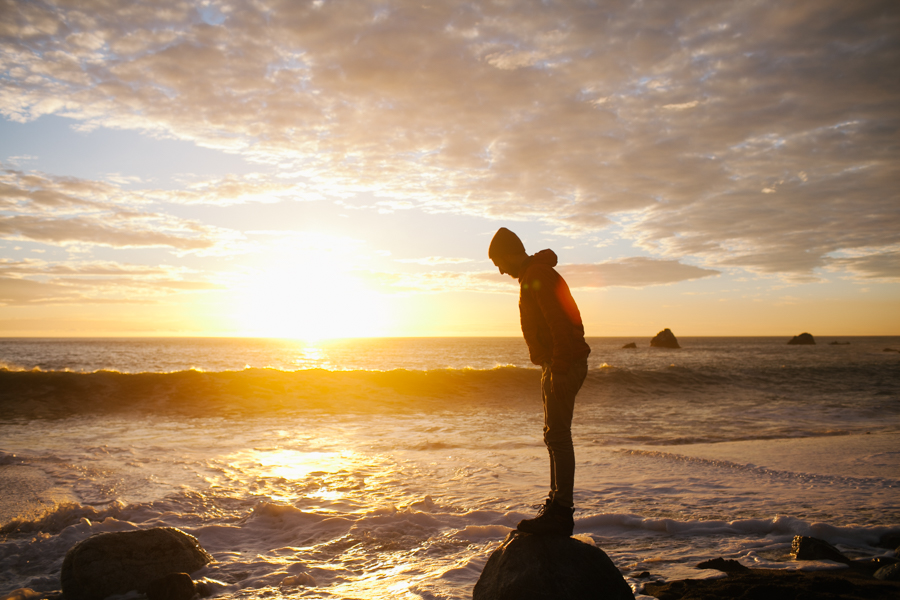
[{"x": 560, "y": 313}]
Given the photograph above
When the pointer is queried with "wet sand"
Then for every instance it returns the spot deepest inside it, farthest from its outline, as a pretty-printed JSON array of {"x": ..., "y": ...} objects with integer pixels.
[{"x": 28, "y": 494}]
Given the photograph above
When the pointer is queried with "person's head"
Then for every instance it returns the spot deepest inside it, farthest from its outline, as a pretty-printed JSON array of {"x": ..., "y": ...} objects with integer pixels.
[{"x": 507, "y": 252}]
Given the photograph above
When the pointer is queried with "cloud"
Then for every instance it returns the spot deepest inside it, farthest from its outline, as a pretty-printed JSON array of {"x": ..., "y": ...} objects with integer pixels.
[
  {"x": 753, "y": 135},
  {"x": 882, "y": 265},
  {"x": 66, "y": 210},
  {"x": 626, "y": 272},
  {"x": 636, "y": 271},
  {"x": 434, "y": 260},
  {"x": 34, "y": 281},
  {"x": 25, "y": 291}
]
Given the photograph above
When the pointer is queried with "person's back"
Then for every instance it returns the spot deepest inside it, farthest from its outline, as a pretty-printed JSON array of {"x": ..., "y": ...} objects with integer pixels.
[{"x": 554, "y": 333}]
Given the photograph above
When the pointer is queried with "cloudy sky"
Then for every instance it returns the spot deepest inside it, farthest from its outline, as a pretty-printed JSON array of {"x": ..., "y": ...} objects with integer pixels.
[{"x": 334, "y": 168}]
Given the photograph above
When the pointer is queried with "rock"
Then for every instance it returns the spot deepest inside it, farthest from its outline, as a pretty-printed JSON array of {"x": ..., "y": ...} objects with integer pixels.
[
  {"x": 768, "y": 584},
  {"x": 889, "y": 573},
  {"x": 726, "y": 566},
  {"x": 890, "y": 350},
  {"x": 118, "y": 562},
  {"x": 174, "y": 586},
  {"x": 533, "y": 567},
  {"x": 839, "y": 343},
  {"x": 890, "y": 541},
  {"x": 630, "y": 345},
  {"x": 664, "y": 339},
  {"x": 874, "y": 563},
  {"x": 804, "y": 339},
  {"x": 810, "y": 548}
]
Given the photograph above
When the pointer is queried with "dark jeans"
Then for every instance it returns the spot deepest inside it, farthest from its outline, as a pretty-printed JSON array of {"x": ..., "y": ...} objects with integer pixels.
[{"x": 559, "y": 403}]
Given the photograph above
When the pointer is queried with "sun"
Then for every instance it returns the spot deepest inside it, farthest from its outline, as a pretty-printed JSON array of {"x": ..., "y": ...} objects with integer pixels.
[{"x": 312, "y": 295}]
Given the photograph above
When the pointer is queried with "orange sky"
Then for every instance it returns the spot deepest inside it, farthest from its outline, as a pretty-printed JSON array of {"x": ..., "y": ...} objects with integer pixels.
[{"x": 319, "y": 169}]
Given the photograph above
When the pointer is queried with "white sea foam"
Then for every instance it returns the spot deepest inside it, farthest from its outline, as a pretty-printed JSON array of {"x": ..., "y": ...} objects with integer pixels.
[{"x": 392, "y": 484}]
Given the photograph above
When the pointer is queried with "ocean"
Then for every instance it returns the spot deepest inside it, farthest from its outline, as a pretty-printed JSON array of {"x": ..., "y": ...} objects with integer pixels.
[{"x": 392, "y": 468}]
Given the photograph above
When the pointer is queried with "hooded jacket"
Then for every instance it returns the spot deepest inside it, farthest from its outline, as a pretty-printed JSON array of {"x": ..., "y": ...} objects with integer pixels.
[{"x": 550, "y": 319}]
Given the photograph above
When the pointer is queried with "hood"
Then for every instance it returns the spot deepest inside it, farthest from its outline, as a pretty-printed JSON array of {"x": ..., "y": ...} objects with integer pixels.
[{"x": 545, "y": 257}]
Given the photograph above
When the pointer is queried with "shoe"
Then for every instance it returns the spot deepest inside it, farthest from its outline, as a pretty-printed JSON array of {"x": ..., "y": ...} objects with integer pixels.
[{"x": 552, "y": 519}]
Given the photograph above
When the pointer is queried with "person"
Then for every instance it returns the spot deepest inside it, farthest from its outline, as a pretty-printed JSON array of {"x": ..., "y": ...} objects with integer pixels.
[{"x": 554, "y": 334}]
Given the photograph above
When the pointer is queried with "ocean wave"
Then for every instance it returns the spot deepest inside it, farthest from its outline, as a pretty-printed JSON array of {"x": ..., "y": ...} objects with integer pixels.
[
  {"x": 41, "y": 394},
  {"x": 860, "y": 483},
  {"x": 61, "y": 517},
  {"x": 781, "y": 528},
  {"x": 51, "y": 394}
]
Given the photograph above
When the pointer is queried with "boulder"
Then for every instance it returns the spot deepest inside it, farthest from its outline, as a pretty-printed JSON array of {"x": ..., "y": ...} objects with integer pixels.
[
  {"x": 889, "y": 573},
  {"x": 174, "y": 586},
  {"x": 810, "y": 548},
  {"x": 540, "y": 567},
  {"x": 630, "y": 345},
  {"x": 119, "y": 562},
  {"x": 890, "y": 541},
  {"x": 804, "y": 339},
  {"x": 664, "y": 339},
  {"x": 726, "y": 566}
]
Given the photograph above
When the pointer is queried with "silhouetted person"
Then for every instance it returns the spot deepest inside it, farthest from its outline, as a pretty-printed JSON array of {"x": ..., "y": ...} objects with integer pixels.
[{"x": 553, "y": 331}]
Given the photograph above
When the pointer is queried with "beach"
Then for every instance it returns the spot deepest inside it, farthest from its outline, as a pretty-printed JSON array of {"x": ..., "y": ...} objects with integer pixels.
[{"x": 398, "y": 478}]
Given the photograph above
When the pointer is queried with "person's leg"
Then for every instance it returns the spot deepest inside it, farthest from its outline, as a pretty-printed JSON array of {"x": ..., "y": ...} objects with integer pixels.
[
  {"x": 546, "y": 399},
  {"x": 558, "y": 410},
  {"x": 555, "y": 517}
]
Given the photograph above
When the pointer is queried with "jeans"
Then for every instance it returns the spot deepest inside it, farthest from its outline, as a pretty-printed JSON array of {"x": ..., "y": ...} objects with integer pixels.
[{"x": 559, "y": 404}]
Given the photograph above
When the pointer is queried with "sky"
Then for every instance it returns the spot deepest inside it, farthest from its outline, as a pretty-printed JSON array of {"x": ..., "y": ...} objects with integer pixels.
[{"x": 338, "y": 168}]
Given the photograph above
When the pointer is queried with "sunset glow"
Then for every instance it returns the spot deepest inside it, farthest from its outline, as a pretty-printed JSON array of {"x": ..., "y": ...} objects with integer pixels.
[
  {"x": 719, "y": 169},
  {"x": 308, "y": 302}
]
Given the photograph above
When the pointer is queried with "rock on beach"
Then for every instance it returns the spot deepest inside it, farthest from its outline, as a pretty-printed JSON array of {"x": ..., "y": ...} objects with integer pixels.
[
  {"x": 119, "y": 562},
  {"x": 535, "y": 567}
]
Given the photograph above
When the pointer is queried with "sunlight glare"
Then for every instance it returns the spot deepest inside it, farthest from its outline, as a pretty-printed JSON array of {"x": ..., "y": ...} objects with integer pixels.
[{"x": 310, "y": 293}]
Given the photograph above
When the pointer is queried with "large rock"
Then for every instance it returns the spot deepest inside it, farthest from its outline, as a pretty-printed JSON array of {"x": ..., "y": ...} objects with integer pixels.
[
  {"x": 889, "y": 573},
  {"x": 804, "y": 339},
  {"x": 665, "y": 339},
  {"x": 810, "y": 548},
  {"x": 535, "y": 567},
  {"x": 116, "y": 563}
]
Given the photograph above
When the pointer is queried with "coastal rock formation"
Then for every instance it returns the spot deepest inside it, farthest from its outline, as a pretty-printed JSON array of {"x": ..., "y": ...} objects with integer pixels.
[
  {"x": 804, "y": 339},
  {"x": 630, "y": 345},
  {"x": 174, "y": 586},
  {"x": 810, "y": 548},
  {"x": 890, "y": 541},
  {"x": 889, "y": 573},
  {"x": 664, "y": 339},
  {"x": 726, "y": 566},
  {"x": 118, "y": 562},
  {"x": 769, "y": 584},
  {"x": 532, "y": 567}
]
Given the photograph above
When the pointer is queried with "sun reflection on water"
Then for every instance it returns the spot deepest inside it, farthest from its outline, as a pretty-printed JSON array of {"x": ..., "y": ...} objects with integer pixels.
[{"x": 293, "y": 464}]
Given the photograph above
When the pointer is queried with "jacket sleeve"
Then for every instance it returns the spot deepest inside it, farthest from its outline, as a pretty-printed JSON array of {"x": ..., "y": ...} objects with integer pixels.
[{"x": 560, "y": 313}]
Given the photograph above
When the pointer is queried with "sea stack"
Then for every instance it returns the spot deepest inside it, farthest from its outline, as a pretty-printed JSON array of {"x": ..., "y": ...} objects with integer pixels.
[
  {"x": 804, "y": 339},
  {"x": 664, "y": 339}
]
